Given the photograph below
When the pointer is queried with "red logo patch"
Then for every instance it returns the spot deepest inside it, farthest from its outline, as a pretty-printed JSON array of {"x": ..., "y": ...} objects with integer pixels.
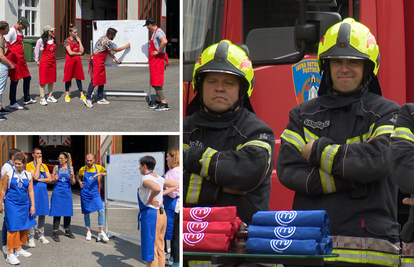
[
  {"x": 197, "y": 227},
  {"x": 198, "y": 61},
  {"x": 246, "y": 63},
  {"x": 198, "y": 214},
  {"x": 192, "y": 239},
  {"x": 370, "y": 40}
]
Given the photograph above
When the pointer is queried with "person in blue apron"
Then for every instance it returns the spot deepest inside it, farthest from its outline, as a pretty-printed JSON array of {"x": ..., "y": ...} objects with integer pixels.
[
  {"x": 88, "y": 179},
  {"x": 61, "y": 202},
  {"x": 41, "y": 176},
  {"x": 18, "y": 196},
  {"x": 172, "y": 207},
  {"x": 6, "y": 167},
  {"x": 151, "y": 217}
]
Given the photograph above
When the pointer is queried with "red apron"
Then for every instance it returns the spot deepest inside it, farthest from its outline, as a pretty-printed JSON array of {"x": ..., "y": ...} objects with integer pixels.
[
  {"x": 18, "y": 50},
  {"x": 99, "y": 72},
  {"x": 156, "y": 64},
  {"x": 47, "y": 66},
  {"x": 13, "y": 59},
  {"x": 73, "y": 65}
]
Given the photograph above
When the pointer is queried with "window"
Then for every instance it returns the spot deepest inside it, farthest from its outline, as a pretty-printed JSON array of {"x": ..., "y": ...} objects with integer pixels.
[{"x": 29, "y": 9}]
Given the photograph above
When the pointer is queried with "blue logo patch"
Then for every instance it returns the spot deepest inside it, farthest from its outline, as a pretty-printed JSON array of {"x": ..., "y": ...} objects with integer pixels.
[{"x": 306, "y": 80}]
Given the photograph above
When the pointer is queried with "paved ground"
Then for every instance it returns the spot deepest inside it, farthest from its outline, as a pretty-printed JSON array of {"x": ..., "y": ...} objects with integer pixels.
[
  {"x": 123, "y": 114},
  {"x": 118, "y": 252}
]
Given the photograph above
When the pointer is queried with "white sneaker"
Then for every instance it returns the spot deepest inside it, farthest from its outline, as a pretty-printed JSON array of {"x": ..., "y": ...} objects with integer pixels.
[
  {"x": 51, "y": 99},
  {"x": 43, "y": 240},
  {"x": 5, "y": 250},
  {"x": 31, "y": 101},
  {"x": 43, "y": 101},
  {"x": 23, "y": 253},
  {"x": 103, "y": 101},
  {"x": 12, "y": 259},
  {"x": 16, "y": 106},
  {"x": 88, "y": 103},
  {"x": 31, "y": 243},
  {"x": 103, "y": 236},
  {"x": 88, "y": 235}
]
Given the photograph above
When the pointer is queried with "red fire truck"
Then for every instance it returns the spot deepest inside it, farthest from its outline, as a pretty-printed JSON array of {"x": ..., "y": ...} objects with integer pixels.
[{"x": 282, "y": 36}]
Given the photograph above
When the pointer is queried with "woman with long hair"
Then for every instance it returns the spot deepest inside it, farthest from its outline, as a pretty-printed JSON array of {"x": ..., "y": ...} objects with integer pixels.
[
  {"x": 73, "y": 65},
  {"x": 172, "y": 206},
  {"x": 5, "y": 65},
  {"x": 47, "y": 64},
  {"x": 61, "y": 202},
  {"x": 19, "y": 206}
]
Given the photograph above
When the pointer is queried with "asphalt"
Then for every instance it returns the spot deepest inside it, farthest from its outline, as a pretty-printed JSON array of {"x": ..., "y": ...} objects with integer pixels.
[
  {"x": 117, "y": 252},
  {"x": 123, "y": 114}
]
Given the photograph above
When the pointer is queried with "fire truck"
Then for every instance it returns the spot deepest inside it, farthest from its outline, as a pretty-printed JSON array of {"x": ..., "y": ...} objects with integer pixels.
[{"x": 283, "y": 36}]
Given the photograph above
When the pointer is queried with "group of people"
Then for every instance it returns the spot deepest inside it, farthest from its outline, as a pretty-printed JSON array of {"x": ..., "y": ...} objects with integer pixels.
[
  {"x": 25, "y": 195},
  {"x": 13, "y": 64},
  {"x": 346, "y": 151}
]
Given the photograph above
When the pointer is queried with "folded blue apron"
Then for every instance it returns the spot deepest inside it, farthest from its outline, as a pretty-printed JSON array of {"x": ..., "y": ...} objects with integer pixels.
[
  {"x": 289, "y": 246},
  {"x": 287, "y": 232}
]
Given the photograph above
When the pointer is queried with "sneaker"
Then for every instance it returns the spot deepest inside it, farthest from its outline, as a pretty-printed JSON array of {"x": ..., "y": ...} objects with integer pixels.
[
  {"x": 88, "y": 103},
  {"x": 23, "y": 253},
  {"x": 68, "y": 233},
  {"x": 52, "y": 99},
  {"x": 4, "y": 111},
  {"x": 154, "y": 104},
  {"x": 83, "y": 98},
  {"x": 43, "y": 102},
  {"x": 56, "y": 236},
  {"x": 5, "y": 250},
  {"x": 162, "y": 107},
  {"x": 12, "y": 259},
  {"x": 31, "y": 243},
  {"x": 16, "y": 106},
  {"x": 88, "y": 235},
  {"x": 103, "y": 236},
  {"x": 103, "y": 101},
  {"x": 67, "y": 99},
  {"x": 2, "y": 118},
  {"x": 31, "y": 101},
  {"x": 43, "y": 240},
  {"x": 168, "y": 262}
]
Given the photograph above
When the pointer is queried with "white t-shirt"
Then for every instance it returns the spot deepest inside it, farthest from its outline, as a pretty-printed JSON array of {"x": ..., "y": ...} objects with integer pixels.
[
  {"x": 6, "y": 167},
  {"x": 144, "y": 193},
  {"x": 11, "y": 37}
]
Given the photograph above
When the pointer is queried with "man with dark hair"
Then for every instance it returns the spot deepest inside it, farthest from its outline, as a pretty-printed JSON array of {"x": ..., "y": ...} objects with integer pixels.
[
  {"x": 149, "y": 161},
  {"x": 157, "y": 57},
  {"x": 97, "y": 65},
  {"x": 15, "y": 39},
  {"x": 9, "y": 165}
]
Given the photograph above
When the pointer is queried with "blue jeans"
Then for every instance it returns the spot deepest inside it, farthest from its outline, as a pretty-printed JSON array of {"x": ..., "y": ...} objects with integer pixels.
[
  {"x": 91, "y": 87},
  {"x": 4, "y": 72},
  {"x": 101, "y": 219},
  {"x": 26, "y": 90}
]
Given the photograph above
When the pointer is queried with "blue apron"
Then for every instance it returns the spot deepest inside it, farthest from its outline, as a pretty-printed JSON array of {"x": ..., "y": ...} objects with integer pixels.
[
  {"x": 41, "y": 194},
  {"x": 169, "y": 207},
  {"x": 17, "y": 205},
  {"x": 147, "y": 217},
  {"x": 61, "y": 202},
  {"x": 90, "y": 199}
]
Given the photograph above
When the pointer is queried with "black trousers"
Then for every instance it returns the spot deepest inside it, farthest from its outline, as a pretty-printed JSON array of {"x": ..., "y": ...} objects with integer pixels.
[{"x": 56, "y": 222}]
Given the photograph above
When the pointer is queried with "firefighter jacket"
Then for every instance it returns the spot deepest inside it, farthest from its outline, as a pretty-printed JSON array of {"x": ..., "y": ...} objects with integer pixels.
[
  {"x": 402, "y": 171},
  {"x": 228, "y": 160},
  {"x": 348, "y": 172}
]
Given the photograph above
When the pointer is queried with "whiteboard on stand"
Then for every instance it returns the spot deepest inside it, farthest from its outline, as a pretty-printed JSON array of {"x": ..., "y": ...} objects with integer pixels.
[
  {"x": 124, "y": 177},
  {"x": 129, "y": 31}
]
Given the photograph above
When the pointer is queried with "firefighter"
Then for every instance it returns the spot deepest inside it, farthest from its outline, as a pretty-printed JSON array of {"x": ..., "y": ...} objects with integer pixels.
[
  {"x": 335, "y": 150},
  {"x": 402, "y": 172},
  {"x": 228, "y": 156}
]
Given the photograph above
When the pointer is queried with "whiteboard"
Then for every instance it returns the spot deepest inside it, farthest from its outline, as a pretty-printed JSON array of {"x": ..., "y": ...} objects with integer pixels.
[
  {"x": 129, "y": 31},
  {"x": 124, "y": 177}
]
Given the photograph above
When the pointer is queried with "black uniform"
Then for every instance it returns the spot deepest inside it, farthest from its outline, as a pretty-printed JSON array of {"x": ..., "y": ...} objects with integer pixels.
[
  {"x": 348, "y": 173},
  {"x": 231, "y": 151}
]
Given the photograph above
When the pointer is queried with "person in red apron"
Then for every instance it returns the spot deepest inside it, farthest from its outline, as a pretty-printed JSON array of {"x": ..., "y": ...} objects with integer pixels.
[
  {"x": 97, "y": 65},
  {"x": 5, "y": 65},
  {"x": 88, "y": 179},
  {"x": 15, "y": 39},
  {"x": 156, "y": 58},
  {"x": 47, "y": 66},
  {"x": 73, "y": 65}
]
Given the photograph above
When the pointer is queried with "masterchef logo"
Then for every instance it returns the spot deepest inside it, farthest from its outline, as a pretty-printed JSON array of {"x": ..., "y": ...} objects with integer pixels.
[
  {"x": 192, "y": 239},
  {"x": 285, "y": 217},
  {"x": 199, "y": 214},
  {"x": 280, "y": 245},
  {"x": 284, "y": 232},
  {"x": 197, "y": 227}
]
